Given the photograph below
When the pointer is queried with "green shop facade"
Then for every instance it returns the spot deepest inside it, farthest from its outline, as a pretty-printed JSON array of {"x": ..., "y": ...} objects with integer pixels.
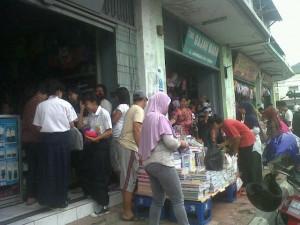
[{"x": 192, "y": 62}]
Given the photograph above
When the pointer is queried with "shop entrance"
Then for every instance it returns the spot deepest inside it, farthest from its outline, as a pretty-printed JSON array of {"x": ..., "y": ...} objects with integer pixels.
[
  {"x": 37, "y": 44},
  {"x": 187, "y": 77}
]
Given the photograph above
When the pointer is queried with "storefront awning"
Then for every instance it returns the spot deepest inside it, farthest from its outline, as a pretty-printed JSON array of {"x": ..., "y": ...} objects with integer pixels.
[{"x": 235, "y": 24}]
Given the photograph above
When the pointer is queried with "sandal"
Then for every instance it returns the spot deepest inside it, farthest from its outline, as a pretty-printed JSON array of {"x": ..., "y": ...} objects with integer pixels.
[
  {"x": 134, "y": 218},
  {"x": 243, "y": 191}
]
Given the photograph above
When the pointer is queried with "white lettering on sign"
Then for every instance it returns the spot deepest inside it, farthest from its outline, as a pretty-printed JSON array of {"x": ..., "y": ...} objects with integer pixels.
[
  {"x": 214, "y": 50},
  {"x": 201, "y": 42}
]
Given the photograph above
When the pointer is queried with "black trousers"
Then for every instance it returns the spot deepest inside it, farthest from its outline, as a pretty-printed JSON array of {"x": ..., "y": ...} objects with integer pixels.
[
  {"x": 32, "y": 150},
  {"x": 256, "y": 167},
  {"x": 250, "y": 166},
  {"x": 205, "y": 134},
  {"x": 95, "y": 171},
  {"x": 54, "y": 168}
]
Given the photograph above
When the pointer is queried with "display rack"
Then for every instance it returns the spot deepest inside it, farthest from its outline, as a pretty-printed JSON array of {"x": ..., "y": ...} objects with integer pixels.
[{"x": 10, "y": 160}]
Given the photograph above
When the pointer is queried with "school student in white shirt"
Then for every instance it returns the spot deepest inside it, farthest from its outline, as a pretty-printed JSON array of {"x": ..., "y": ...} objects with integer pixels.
[
  {"x": 54, "y": 118},
  {"x": 95, "y": 172}
]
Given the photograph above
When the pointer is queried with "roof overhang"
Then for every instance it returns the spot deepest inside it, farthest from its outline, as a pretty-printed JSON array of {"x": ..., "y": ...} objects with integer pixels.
[{"x": 235, "y": 24}]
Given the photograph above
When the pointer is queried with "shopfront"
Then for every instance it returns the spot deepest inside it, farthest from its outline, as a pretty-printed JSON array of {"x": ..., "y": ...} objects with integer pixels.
[
  {"x": 42, "y": 40},
  {"x": 245, "y": 72},
  {"x": 192, "y": 62},
  {"x": 266, "y": 90}
]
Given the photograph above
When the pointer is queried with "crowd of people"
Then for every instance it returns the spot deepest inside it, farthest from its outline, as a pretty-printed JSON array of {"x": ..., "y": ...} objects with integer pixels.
[{"x": 106, "y": 141}]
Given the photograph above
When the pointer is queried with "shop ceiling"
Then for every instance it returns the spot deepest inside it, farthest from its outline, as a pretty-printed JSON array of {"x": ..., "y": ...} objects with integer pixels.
[{"x": 234, "y": 24}]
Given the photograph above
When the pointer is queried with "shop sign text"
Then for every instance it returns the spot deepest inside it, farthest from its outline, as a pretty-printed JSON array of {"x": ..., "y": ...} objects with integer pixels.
[
  {"x": 245, "y": 68},
  {"x": 200, "y": 47}
]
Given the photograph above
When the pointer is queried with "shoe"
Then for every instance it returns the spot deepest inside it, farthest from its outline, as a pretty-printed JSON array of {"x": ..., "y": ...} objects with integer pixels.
[
  {"x": 87, "y": 196},
  {"x": 60, "y": 206},
  {"x": 77, "y": 190},
  {"x": 103, "y": 210},
  {"x": 31, "y": 201},
  {"x": 134, "y": 218},
  {"x": 63, "y": 206}
]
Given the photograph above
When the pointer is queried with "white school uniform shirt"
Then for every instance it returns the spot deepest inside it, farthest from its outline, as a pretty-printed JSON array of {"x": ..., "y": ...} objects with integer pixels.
[
  {"x": 100, "y": 118},
  {"x": 117, "y": 128},
  {"x": 288, "y": 116},
  {"x": 106, "y": 105},
  {"x": 54, "y": 115}
]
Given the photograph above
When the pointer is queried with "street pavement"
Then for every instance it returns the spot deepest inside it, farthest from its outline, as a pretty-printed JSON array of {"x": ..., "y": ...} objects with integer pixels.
[{"x": 240, "y": 212}]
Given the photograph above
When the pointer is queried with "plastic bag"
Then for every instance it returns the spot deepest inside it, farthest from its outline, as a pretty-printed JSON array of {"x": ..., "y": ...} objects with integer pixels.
[
  {"x": 239, "y": 183},
  {"x": 214, "y": 159}
]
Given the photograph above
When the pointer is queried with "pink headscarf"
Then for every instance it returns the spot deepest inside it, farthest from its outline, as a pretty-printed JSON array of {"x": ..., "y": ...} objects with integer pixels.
[{"x": 155, "y": 123}]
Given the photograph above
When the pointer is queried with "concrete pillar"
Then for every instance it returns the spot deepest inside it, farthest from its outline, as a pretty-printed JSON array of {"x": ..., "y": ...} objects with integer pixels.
[
  {"x": 150, "y": 46},
  {"x": 273, "y": 99},
  {"x": 227, "y": 84},
  {"x": 258, "y": 86}
]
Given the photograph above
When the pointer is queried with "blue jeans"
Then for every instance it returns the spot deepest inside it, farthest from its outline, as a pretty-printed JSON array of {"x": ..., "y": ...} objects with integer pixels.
[{"x": 164, "y": 180}]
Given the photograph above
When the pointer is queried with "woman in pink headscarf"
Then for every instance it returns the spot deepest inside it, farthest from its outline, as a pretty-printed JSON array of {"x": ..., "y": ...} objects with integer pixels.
[
  {"x": 157, "y": 146},
  {"x": 274, "y": 125}
]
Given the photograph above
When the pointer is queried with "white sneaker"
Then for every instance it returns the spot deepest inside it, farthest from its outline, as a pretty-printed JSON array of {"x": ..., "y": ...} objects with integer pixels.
[{"x": 103, "y": 210}]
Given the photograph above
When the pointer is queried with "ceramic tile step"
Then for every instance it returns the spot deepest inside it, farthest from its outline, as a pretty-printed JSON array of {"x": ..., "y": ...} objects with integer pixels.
[{"x": 45, "y": 216}]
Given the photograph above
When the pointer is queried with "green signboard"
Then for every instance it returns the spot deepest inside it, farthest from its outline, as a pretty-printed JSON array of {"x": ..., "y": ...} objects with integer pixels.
[{"x": 200, "y": 47}]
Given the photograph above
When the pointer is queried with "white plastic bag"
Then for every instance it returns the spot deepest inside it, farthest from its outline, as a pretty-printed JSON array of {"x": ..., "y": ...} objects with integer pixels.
[{"x": 239, "y": 183}]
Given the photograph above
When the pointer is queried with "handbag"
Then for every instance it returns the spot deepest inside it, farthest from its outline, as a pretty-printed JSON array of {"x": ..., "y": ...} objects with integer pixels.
[{"x": 214, "y": 158}]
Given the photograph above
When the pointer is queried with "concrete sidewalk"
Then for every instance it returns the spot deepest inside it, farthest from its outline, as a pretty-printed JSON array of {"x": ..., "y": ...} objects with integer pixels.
[{"x": 240, "y": 212}]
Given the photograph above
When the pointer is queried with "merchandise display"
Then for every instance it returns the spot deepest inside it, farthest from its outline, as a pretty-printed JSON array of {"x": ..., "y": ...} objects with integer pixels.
[
  {"x": 9, "y": 157},
  {"x": 197, "y": 183}
]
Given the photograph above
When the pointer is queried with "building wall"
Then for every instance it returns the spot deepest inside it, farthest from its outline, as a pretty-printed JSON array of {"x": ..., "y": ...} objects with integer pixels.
[
  {"x": 150, "y": 50},
  {"x": 284, "y": 86},
  {"x": 127, "y": 75},
  {"x": 258, "y": 86},
  {"x": 227, "y": 84}
]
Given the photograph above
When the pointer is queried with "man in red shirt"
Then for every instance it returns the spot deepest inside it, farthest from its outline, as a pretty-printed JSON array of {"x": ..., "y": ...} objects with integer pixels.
[{"x": 241, "y": 140}]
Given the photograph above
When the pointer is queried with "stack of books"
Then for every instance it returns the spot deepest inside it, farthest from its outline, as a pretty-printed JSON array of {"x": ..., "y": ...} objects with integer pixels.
[{"x": 144, "y": 186}]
